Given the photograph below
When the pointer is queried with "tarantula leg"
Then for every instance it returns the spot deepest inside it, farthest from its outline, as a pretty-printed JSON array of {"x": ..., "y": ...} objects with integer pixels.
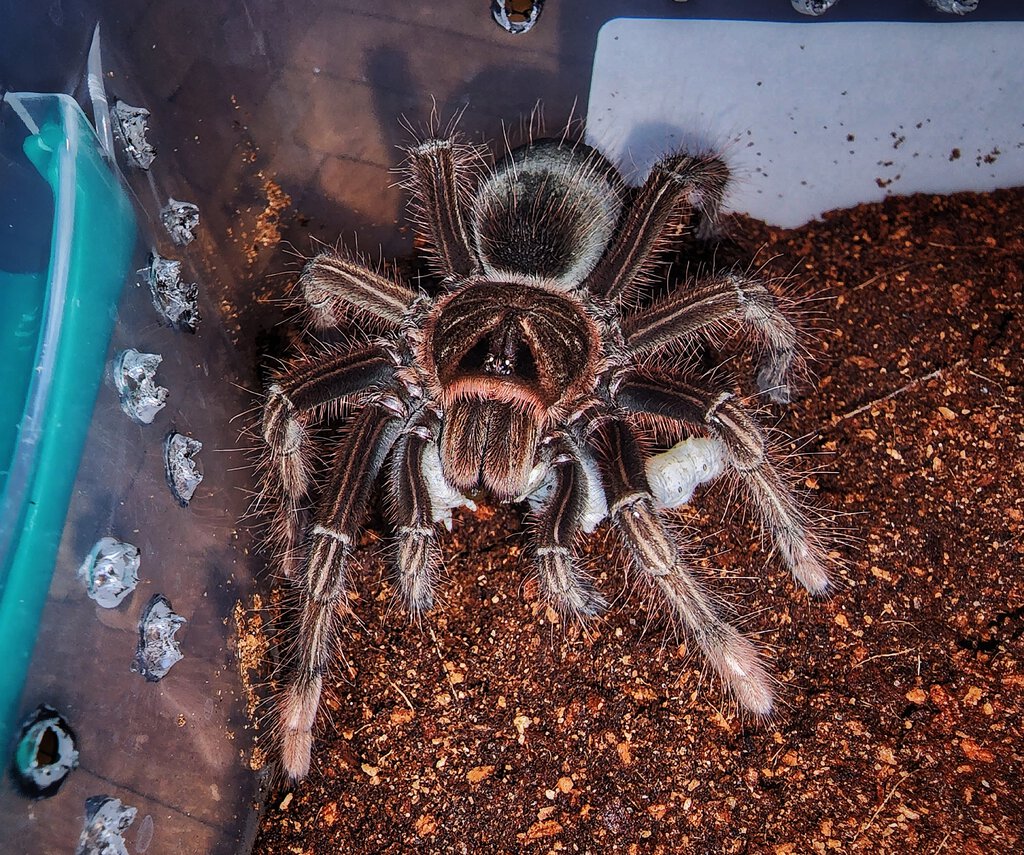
[
  {"x": 712, "y": 303},
  {"x": 417, "y": 554},
  {"x": 332, "y": 539},
  {"x": 563, "y": 582},
  {"x": 656, "y": 556},
  {"x": 332, "y": 282},
  {"x": 744, "y": 443},
  {"x": 440, "y": 195},
  {"x": 306, "y": 384},
  {"x": 677, "y": 186}
]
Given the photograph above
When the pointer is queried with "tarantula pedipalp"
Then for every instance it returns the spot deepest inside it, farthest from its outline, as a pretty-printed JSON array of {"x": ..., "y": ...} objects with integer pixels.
[{"x": 520, "y": 377}]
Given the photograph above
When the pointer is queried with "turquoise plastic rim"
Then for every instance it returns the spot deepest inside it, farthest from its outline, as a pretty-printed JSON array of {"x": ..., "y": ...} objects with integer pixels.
[{"x": 93, "y": 243}]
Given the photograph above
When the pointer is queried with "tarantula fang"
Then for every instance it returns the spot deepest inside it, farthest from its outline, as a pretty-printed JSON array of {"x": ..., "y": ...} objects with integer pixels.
[{"x": 521, "y": 375}]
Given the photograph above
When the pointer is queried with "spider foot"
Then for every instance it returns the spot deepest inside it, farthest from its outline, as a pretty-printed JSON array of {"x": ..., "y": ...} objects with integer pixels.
[
  {"x": 568, "y": 588},
  {"x": 781, "y": 513},
  {"x": 704, "y": 177},
  {"x": 299, "y": 705},
  {"x": 734, "y": 658},
  {"x": 418, "y": 557},
  {"x": 694, "y": 609},
  {"x": 771, "y": 381}
]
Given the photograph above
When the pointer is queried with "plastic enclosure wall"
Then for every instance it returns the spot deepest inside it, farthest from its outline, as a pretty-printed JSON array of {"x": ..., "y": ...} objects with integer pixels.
[{"x": 94, "y": 236}]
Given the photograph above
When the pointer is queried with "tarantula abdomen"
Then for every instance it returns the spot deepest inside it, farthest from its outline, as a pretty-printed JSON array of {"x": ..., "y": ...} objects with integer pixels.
[{"x": 547, "y": 211}]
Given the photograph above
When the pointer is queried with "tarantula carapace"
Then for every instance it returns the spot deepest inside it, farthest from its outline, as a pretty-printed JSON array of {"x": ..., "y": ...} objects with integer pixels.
[{"x": 522, "y": 374}]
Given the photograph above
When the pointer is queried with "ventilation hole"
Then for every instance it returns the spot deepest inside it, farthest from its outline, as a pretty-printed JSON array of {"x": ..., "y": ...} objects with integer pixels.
[
  {"x": 48, "y": 749},
  {"x": 516, "y": 16}
]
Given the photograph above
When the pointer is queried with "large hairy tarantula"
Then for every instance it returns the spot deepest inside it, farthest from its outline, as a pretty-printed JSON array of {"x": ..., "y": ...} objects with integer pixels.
[{"x": 522, "y": 375}]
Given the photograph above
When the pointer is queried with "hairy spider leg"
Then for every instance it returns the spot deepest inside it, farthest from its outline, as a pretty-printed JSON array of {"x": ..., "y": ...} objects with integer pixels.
[
  {"x": 677, "y": 186},
  {"x": 657, "y": 557},
  {"x": 715, "y": 303},
  {"x": 304, "y": 387},
  {"x": 437, "y": 178},
  {"x": 563, "y": 581},
  {"x": 417, "y": 554},
  {"x": 331, "y": 541},
  {"x": 333, "y": 283},
  {"x": 718, "y": 411}
]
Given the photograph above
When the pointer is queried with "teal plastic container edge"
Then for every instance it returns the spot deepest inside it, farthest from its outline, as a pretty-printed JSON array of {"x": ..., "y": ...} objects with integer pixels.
[{"x": 93, "y": 244}]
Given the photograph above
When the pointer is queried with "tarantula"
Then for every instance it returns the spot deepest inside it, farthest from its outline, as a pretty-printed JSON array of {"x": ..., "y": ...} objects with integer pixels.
[{"x": 521, "y": 376}]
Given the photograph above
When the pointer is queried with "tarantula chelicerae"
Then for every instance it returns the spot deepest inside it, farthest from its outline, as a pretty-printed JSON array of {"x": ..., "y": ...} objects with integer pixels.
[{"x": 521, "y": 376}]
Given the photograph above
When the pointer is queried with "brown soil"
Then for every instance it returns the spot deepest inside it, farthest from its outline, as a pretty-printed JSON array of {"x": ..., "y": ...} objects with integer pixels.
[{"x": 491, "y": 728}]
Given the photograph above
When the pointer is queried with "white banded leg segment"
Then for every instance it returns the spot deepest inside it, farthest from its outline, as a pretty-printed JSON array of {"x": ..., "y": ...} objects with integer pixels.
[
  {"x": 798, "y": 544},
  {"x": 327, "y": 556},
  {"x": 677, "y": 186},
  {"x": 658, "y": 560},
  {"x": 652, "y": 549},
  {"x": 564, "y": 583},
  {"x": 761, "y": 312},
  {"x": 711, "y": 304},
  {"x": 703, "y": 178},
  {"x": 542, "y": 484},
  {"x": 327, "y": 549},
  {"x": 284, "y": 432},
  {"x": 289, "y": 525},
  {"x": 693, "y": 607},
  {"x": 289, "y": 472},
  {"x": 417, "y": 555},
  {"x": 780, "y": 512},
  {"x": 297, "y": 708},
  {"x": 307, "y": 383},
  {"x": 734, "y": 658},
  {"x": 356, "y": 464}
]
